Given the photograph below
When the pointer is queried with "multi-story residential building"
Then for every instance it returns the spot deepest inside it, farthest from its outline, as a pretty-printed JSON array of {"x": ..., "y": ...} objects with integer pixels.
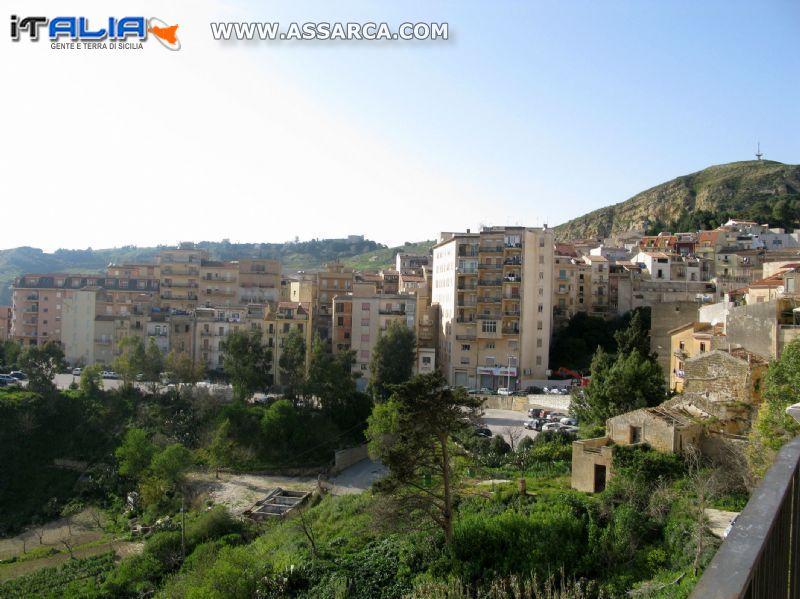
[
  {"x": 179, "y": 271},
  {"x": 279, "y": 323},
  {"x": 5, "y": 322},
  {"x": 369, "y": 314},
  {"x": 211, "y": 327},
  {"x": 570, "y": 284},
  {"x": 598, "y": 275},
  {"x": 494, "y": 292},
  {"x": 333, "y": 281},
  {"x": 259, "y": 281},
  {"x": 411, "y": 263},
  {"x": 219, "y": 283}
]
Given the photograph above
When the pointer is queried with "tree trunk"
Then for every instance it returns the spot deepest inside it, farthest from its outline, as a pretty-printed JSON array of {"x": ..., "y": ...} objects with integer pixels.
[{"x": 447, "y": 510}]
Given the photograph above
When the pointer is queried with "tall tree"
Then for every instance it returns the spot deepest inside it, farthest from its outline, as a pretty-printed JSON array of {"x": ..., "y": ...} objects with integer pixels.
[
  {"x": 135, "y": 453},
  {"x": 626, "y": 383},
  {"x": 181, "y": 364},
  {"x": 91, "y": 379},
  {"x": 392, "y": 360},
  {"x": 41, "y": 363},
  {"x": 292, "y": 363},
  {"x": 222, "y": 449},
  {"x": 247, "y": 362},
  {"x": 636, "y": 336},
  {"x": 130, "y": 360},
  {"x": 153, "y": 364},
  {"x": 411, "y": 433}
]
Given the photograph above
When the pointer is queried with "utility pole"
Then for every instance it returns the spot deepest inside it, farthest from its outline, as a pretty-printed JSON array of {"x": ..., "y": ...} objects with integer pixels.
[{"x": 759, "y": 155}]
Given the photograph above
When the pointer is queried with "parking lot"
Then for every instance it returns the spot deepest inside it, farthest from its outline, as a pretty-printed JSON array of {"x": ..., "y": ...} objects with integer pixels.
[{"x": 507, "y": 423}]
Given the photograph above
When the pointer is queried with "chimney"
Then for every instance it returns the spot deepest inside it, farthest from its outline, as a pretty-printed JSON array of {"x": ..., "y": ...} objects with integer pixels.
[{"x": 468, "y": 231}]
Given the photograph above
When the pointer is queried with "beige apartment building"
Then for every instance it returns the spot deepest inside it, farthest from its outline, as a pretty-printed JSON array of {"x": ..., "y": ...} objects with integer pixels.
[
  {"x": 5, "y": 322},
  {"x": 279, "y": 322},
  {"x": 179, "y": 271},
  {"x": 334, "y": 280},
  {"x": 494, "y": 292},
  {"x": 369, "y": 315}
]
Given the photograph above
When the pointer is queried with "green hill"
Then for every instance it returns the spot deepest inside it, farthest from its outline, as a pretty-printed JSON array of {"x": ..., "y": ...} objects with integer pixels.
[
  {"x": 305, "y": 255},
  {"x": 765, "y": 191}
]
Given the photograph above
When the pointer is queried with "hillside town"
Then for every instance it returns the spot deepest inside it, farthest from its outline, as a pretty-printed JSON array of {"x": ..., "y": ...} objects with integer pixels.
[{"x": 484, "y": 305}]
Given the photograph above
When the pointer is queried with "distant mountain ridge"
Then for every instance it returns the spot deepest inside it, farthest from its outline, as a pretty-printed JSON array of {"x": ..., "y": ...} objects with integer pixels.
[
  {"x": 733, "y": 189},
  {"x": 310, "y": 255}
]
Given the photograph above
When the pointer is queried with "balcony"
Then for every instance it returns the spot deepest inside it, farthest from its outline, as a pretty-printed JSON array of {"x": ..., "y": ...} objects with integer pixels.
[
  {"x": 393, "y": 311},
  {"x": 510, "y": 331},
  {"x": 465, "y": 320},
  {"x": 495, "y": 316},
  {"x": 761, "y": 555},
  {"x": 513, "y": 278},
  {"x": 513, "y": 261},
  {"x": 466, "y": 337},
  {"x": 32, "y": 297},
  {"x": 491, "y": 249},
  {"x": 173, "y": 284},
  {"x": 465, "y": 287},
  {"x": 490, "y": 283},
  {"x": 489, "y": 266},
  {"x": 489, "y": 299},
  {"x": 511, "y": 314}
]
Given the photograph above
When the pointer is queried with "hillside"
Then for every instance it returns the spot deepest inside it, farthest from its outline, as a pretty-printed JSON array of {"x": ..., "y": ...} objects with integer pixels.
[
  {"x": 307, "y": 255},
  {"x": 741, "y": 189}
]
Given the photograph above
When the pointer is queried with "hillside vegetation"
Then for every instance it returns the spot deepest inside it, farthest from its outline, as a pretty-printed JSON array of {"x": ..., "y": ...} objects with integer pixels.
[{"x": 748, "y": 189}]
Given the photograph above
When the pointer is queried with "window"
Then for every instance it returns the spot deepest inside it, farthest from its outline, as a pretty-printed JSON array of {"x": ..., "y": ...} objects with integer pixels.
[
  {"x": 541, "y": 242},
  {"x": 364, "y": 354},
  {"x": 636, "y": 434},
  {"x": 465, "y": 347},
  {"x": 364, "y": 338},
  {"x": 365, "y": 306},
  {"x": 541, "y": 259},
  {"x": 490, "y": 345},
  {"x": 682, "y": 346},
  {"x": 426, "y": 360},
  {"x": 538, "y": 360},
  {"x": 702, "y": 347},
  {"x": 286, "y": 326},
  {"x": 340, "y": 307},
  {"x": 489, "y": 326},
  {"x": 541, "y": 308},
  {"x": 562, "y": 274},
  {"x": 541, "y": 275},
  {"x": 539, "y": 342},
  {"x": 347, "y": 334},
  {"x": 464, "y": 359},
  {"x": 340, "y": 321},
  {"x": 539, "y": 325}
]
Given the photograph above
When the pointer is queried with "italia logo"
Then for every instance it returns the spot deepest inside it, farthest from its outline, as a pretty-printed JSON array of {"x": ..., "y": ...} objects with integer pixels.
[{"x": 113, "y": 29}]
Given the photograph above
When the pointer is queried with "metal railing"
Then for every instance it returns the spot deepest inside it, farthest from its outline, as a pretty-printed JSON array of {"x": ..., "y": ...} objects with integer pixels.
[{"x": 760, "y": 558}]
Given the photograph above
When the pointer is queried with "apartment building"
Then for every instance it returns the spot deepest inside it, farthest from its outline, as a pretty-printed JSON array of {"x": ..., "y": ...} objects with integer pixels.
[
  {"x": 688, "y": 341},
  {"x": 259, "y": 281},
  {"x": 5, "y": 322},
  {"x": 211, "y": 326},
  {"x": 179, "y": 272},
  {"x": 333, "y": 281},
  {"x": 411, "y": 263},
  {"x": 279, "y": 322},
  {"x": 494, "y": 292},
  {"x": 570, "y": 283},
  {"x": 598, "y": 282},
  {"x": 219, "y": 283},
  {"x": 369, "y": 315}
]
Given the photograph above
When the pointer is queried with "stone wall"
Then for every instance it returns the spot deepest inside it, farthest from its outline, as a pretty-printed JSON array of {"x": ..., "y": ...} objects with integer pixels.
[
  {"x": 754, "y": 328},
  {"x": 344, "y": 458}
]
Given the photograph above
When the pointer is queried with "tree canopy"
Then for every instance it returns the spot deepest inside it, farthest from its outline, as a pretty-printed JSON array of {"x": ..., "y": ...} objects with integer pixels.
[
  {"x": 247, "y": 362},
  {"x": 392, "y": 360},
  {"x": 411, "y": 434},
  {"x": 41, "y": 363}
]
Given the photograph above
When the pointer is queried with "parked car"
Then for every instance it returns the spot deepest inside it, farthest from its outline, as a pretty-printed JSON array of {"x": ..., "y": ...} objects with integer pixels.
[
  {"x": 483, "y": 431},
  {"x": 8, "y": 380},
  {"x": 19, "y": 375},
  {"x": 472, "y": 391},
  {"x": 486, "y": 391},
  {"x": 76, "y": 371},
  {"x": 109, "y": 374},
  {"x": 568, "y": 429},
  {"x": 556, "y": 416},
  {"x": 504, "y": 391},
  {"x": 552, "y": 426},
  {"x": 534, "y": 424},
  {"x": 569, "y": 421}
]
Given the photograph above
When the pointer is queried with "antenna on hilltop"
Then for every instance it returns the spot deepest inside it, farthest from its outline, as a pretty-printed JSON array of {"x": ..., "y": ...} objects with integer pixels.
[{"x": 758, "y": 152}]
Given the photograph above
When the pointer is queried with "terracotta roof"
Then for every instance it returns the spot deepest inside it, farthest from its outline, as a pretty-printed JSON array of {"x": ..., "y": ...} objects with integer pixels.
[
  {"x": 773, "y": 281},
  {"x": 566, "y": 249},
  {"x": 596, "y": 258}
]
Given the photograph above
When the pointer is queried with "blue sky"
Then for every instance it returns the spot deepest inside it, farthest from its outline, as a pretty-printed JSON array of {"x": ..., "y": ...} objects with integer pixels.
[{"x": 532, "y": 112}]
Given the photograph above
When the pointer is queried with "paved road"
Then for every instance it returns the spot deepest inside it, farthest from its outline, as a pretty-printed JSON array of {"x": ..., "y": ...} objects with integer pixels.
[
  {"x": 358, "y": 477},
  {"x": 503, "y": 422},
  {"x": 63, "y": 381}
]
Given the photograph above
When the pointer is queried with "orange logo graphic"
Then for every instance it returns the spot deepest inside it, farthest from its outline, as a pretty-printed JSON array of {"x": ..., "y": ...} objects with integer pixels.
[{"x": 166, "y": 34}]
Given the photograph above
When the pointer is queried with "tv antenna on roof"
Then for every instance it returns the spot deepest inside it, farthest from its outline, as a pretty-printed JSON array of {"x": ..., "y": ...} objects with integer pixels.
[{"x": 758, "y": 152}]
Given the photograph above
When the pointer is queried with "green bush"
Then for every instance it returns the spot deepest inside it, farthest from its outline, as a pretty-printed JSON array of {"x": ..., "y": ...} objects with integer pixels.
[{"x": 643, "y": 463}]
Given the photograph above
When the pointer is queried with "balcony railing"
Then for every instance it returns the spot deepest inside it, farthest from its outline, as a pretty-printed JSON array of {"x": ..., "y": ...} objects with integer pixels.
[
  {"x": 491, "y": 248},
  {"x": 761, "y": 555},
  {"x": 489, "y": 283}
]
